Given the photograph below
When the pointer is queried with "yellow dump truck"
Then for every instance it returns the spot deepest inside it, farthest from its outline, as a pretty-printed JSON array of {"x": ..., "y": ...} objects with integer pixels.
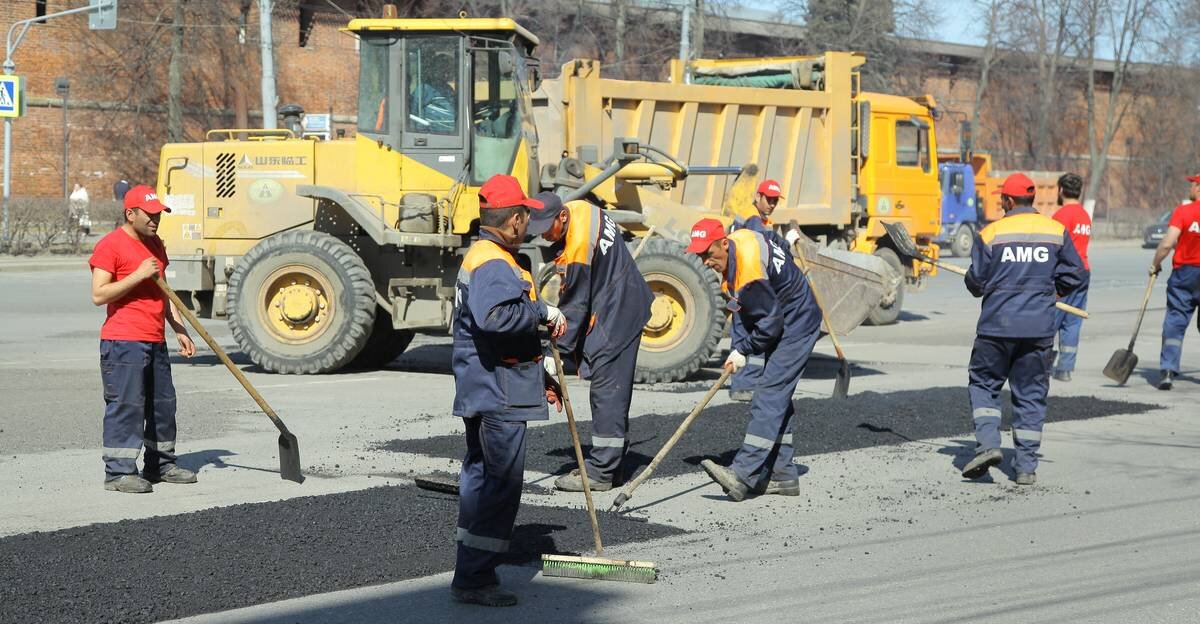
[{"x": 326, "y": 254}]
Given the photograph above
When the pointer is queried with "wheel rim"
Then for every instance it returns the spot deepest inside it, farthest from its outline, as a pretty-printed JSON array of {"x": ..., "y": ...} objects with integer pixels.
[
  {"x": 296, "y": 304},
  {"x": 672, "y": 313}
]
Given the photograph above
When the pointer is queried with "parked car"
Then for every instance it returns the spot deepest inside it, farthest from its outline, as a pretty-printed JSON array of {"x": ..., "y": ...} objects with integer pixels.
[{"x": 1155, "y": 231}]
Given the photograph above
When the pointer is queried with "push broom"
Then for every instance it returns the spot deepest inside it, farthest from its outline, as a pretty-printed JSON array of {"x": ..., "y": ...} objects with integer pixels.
[{"x": 590, "y": 567}]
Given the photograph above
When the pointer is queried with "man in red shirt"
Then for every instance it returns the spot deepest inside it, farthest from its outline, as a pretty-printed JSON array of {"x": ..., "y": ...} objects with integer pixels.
[
  {"x": 139, "y": 396},
  {"x": 1183, "y": 288},
  {"x": 1079, "y": 226}
]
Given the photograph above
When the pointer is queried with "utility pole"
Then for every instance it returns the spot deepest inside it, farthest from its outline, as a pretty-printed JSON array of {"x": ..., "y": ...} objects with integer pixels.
[
  {"x": 174, "y": 78},
  {"x": 685, "y": 27},
  {"x": 266, "y": 45},
  {"x": 63, "y": 86}
]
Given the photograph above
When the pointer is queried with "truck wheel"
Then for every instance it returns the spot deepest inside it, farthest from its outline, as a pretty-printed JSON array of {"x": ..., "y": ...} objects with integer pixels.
[
  {"x": 687, "y": 317},
  {"x": 384, "y": 344},
  {"x": 887, "y": 314},
  {"x": 964, "y": 238},
  {"x": 301, "y": 302}
]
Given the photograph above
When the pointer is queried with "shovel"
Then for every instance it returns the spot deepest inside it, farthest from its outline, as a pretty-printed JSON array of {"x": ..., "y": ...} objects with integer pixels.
[
  {"x": 289, "y": 447},
  {"x": 841, "y": 387},
  {"x": 906, "y": 247},
  {"x": 1120, "y": 366}
]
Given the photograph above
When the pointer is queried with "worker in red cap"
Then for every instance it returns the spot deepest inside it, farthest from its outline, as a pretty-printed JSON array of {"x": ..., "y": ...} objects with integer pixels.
[
  {"x": 1078, "y": 223},
  {"x": 1183, "y": 288},
  {"x": 499, "y": 385},
  {"x": 766, "y": 199},
  {"x": 607, "y": 303},
  {"x": 772, "y": 301},
  {"x": 139, "y": 396},
  {"x": 1020, "y": 265}
]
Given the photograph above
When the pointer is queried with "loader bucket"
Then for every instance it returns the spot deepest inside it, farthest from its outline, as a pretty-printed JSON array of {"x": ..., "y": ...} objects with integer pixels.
[{"x": 851, "y": 284}]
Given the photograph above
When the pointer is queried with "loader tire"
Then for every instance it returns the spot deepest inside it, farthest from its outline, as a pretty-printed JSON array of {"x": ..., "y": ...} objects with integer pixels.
[
  {"x": 687, "y": 316},
  {"x": 301, "y": 302},
  {"x": 886, "y": 315},
  {"x": 384, "y": 344}
]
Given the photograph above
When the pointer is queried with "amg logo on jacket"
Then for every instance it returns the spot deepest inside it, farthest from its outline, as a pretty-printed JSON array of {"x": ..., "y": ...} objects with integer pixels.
[{"x": 1025, "y": 254}]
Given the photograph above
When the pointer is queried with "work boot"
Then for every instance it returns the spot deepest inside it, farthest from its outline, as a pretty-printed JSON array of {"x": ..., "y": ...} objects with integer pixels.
[
  {"x": 571, "y": 482},
  {"x": 488, "y": 596},
  {"x": 1062, "y": 375},
  {"x": 745, "y": 396},
  {"x": 129, "y": 484},
  {"x": 783, "y": 488},
  {"x": 1167, "y": 381},
  {"x": 734, "y": 488},
  {"x": 1026, "y": 478},
  {"x": 983, "y": 460},
  {"x": 174, "y": 475}
]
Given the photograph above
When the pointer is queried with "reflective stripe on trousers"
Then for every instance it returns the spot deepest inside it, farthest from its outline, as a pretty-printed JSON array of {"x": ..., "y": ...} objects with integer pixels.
[
  {"x": 489, "y": 487},
  {"x": 1183, "y": 295},
  {"x": 1069, "y": 327},
  {"x": 610, "y": 395},
  {"x": 139, "y": 406},
  {"x": 1023, "y": 364}
]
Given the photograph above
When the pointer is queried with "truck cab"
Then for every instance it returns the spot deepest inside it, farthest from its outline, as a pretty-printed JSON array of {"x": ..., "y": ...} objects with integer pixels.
[{"x": 961, "y": 207}]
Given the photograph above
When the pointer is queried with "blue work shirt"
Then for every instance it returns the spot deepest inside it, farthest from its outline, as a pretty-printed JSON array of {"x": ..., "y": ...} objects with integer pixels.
[
  {"x": 497, "y": 352},
  {"x": 604, "y": 296},
  {"x": 768, "y": 293},
  {"x": 1020, "y": 265}
]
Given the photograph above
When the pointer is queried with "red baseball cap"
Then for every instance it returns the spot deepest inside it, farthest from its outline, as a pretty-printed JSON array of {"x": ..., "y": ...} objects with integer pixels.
[
  {"x": 1016, "y": 185},
  {"x": 1195, "y": 178},
  {"x": 142, "y": 196},
  {"x": 770, "y": 188},
  {"x": 704, "y": 234},
  {"x": 504, "y": 191}
]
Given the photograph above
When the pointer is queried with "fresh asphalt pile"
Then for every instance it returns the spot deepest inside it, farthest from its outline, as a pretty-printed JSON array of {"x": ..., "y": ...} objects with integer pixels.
[
  {"x": 217, "y": 559},
  {"x": 862, "y": 420}
]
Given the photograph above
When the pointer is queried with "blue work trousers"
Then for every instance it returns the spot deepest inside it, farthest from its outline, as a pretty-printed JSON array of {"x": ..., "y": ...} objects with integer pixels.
[
  {"x": 139, "y": 407},
  {"x": 611, "y": 394},
  {"x": 1068, "y": 326},
  {"x": 767, "y": 450},
  {"x": 1183, "y": 294},
  {"x": 489, "y": 493},
  {"x": 1024, "y": 364}
]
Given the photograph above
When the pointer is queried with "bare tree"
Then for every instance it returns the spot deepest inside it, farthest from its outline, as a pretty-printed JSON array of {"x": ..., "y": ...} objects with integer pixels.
[
  {"x": 992, "y": 16},
  {"x": 1048, "y": 42}
]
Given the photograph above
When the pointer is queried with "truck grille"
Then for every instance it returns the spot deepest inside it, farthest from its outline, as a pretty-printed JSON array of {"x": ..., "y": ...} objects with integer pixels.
[{"x": 226, "y": 183}]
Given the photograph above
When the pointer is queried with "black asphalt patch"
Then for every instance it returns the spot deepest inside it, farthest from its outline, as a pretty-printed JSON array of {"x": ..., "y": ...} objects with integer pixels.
[
  {"x": 825, "y": 425},
  {"x": 175, "y": 566}
]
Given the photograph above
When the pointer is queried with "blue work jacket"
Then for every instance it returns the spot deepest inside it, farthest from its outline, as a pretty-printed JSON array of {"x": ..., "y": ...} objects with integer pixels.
[
  {"x": 1020, "y": 265},
  {"x": 768, "y": 294},
  {"x": 497, "y": 353}
]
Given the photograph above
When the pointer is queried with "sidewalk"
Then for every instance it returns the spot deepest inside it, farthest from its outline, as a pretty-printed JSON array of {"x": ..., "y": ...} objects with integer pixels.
[{"x": 47, "y": 262}]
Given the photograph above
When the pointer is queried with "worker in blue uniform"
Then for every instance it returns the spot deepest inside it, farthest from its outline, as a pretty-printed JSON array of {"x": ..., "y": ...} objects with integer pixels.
[
  {"x": 1020, "y": 265},
  {"x": 772, "y": 300},
  {"x": 499, "y": 383},
  {"x": 606, "y": 303},
  {"x": 766, "y": 199}
]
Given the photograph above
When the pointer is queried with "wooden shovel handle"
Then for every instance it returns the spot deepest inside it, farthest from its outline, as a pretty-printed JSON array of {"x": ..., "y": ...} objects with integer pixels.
[
  {"x": 583, "y": 475},
  {"x": 799, "y": 253},
  {"x": 1069, "y": 309},
  {"x": 212, "y": 344},
  {"x": 1142, "y": 312}
]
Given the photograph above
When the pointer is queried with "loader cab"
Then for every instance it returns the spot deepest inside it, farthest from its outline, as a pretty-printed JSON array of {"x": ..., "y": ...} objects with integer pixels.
[{"x": 449, "y": 102}]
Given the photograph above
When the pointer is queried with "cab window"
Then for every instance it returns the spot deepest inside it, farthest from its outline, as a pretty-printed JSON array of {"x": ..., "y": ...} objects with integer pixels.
[
  {"x": 495, "y": 114},
  {"x": 912, "y": 145},
  {"x": 431, "y": 68},
  {"x": 373, "y": 69}
]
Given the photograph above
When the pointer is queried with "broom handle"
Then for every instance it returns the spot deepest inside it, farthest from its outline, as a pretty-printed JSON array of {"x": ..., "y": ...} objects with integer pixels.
[
  {"x": 1142, "y": 312},
  {"x": 683, "y": 427},
  {"x": 583, "y": 476},
  {"x": 1069, "y": 309},
  {"x": 212, "y": 344},
  {"x": 816, "y": 296}
]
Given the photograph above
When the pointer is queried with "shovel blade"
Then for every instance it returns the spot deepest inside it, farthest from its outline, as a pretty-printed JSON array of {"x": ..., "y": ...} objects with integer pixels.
[
  {"x": 902, "y": 239},
  {"x": 841, "y": 386},
  {"x": 289, "y": 458},
  {"x": 1120, "y": 366}
]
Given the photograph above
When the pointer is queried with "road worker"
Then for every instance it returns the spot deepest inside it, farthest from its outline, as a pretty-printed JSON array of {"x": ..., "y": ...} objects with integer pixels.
[
  {"x": 766, "y": 199},
  {"x": 772, "y": 301},
  {"x": 499, "y": 386},
  {"x": 1079, "y": 226},
  {"x": 1183, "y": 288},
  {"x": 139, "y": 394},
  {"x": 606, "y": 303},
  {"x": 1020, "y": 265}
]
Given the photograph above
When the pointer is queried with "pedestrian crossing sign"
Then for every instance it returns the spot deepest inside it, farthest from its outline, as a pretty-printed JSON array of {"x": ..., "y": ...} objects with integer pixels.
[{"x": 10, "y": 96}]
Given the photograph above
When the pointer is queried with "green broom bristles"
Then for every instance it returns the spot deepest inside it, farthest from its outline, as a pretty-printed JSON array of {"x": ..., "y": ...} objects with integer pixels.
[{"x": 597, "y": 568}]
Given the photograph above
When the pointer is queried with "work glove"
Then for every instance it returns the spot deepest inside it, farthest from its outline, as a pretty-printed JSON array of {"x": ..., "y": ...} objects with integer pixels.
[
  {"x": 791, "y": 236},
  {"x": 551, "y": 368},
  {"x": 735, "y": 361},
  {"x": 556, "y": 321}
]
